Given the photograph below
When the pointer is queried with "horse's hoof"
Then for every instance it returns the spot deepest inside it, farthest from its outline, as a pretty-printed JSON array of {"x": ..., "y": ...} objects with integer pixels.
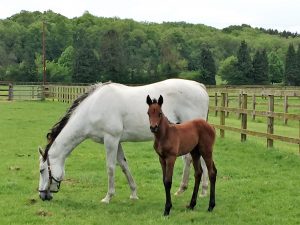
[
  {"x": 105, "y": 200},
  {"x": 179, "y": 192},
  {"x": 203, "y": 194},
  {"x": 134, "y": 197}
]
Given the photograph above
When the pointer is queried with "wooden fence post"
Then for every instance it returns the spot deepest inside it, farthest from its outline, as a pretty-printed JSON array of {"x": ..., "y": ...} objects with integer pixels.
[
  {"x": 286, "y": 105},
  {"x": 216, "y": 104},
  {"x": 253, "y": 106},
  {"x": 240, "y": 102},
  {"x": 244, "y": 117},
  {"x": 270, "y": 121},
  {"x": 222, "y": 114},
  {"x": 227, "y": 103},
  {"x": 10, "y": 92}
]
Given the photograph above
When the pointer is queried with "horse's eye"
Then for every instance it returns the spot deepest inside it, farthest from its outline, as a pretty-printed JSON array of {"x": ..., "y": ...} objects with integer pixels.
[
  {"x": 41, "y": 171},
  {"x": 160, "y": 114}
]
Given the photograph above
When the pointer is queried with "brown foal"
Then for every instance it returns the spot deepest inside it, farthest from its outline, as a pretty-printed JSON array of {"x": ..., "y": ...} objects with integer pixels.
[{"x": 172, "y": 140}]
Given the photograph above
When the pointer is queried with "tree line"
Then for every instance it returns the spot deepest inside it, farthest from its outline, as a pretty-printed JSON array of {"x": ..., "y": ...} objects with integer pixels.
[{"x": 90, "y": 49}]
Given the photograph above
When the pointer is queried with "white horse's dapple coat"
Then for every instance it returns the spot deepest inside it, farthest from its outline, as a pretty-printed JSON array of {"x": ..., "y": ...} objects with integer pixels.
[{"x": 114, "y": 113}]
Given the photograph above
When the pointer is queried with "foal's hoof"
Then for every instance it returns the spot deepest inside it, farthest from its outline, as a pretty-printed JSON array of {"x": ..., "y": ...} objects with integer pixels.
[
  {"x": 166, "y": 213},
  {"x": 190, "y": 207},
  {"x": 210, "y": 208}
]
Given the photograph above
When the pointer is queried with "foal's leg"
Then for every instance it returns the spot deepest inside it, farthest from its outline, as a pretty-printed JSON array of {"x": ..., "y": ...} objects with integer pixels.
[
  {"x": 212, "y": 173},
  {"x": 123, "y": 164},
  {"x": 168, "y": 166},
  {"x": 198, "y": 173},
  {"x": 111, "y": 144}
]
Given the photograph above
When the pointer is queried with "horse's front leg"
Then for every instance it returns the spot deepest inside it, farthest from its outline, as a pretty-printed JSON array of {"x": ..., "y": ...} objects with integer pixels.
[
  {"x": 169, "y": 162},
  {"x": 111, "y": 144},
  {"x": 123, "y": 164}
]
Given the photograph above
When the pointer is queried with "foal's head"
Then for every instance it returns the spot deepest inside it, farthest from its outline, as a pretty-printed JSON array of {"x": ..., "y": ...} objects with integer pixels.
[{"x": 154, "y": 112}]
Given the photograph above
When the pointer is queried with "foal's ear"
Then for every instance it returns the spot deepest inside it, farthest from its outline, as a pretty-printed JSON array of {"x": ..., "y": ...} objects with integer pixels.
[
  {"x": 149, "y": 101},
  {"x": 160, "y": 100}
]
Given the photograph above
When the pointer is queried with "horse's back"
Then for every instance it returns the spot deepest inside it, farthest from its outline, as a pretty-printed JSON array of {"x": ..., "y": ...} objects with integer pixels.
[{"x": 119, "y": 108}]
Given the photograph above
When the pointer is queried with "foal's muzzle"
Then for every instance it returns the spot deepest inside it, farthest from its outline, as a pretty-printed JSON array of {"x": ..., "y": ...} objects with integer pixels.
[{"x": 154, "y": 129}]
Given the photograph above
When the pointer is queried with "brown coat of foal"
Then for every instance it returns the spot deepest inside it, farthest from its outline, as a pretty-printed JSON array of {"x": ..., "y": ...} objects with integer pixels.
[{"x": 172, "y": 140}]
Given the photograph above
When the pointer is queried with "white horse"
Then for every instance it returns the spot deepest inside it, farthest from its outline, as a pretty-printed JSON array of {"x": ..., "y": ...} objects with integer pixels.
[{"x": 112, "y": 113}]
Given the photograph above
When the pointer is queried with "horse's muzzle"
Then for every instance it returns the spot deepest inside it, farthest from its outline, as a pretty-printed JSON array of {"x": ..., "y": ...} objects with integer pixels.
[
  {"x": 154, "y": 129},
  {"x": 46, "y": 196}
]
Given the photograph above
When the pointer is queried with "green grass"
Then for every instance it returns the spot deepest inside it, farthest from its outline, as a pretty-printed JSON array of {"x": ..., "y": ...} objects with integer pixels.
[{"x": 255, "y": 185}]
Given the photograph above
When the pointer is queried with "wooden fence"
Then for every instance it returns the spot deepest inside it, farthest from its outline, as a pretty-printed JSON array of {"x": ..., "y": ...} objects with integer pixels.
[
  {"x": 65, "y": 94},
  {"x": 9, "y": 91},
  {"x": 243, "y": 112}
]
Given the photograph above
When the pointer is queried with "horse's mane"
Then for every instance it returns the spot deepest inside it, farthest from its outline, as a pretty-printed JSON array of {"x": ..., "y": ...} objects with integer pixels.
[{"x": 57, "y": 128}]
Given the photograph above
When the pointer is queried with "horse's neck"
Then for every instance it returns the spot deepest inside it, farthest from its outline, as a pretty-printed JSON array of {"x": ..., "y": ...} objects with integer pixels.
[{"x": 70, "y": 136}]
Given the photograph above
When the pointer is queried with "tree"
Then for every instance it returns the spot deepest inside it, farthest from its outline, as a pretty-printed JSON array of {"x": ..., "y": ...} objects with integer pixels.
[
  {"x": 297, "y": 77},
  {"x": 229, "y": 71},
  {"x": 207, "y": 67},
  {"x": 86, "y": 61},
  {"x": 244, "y": 64},
  {"x": 260, "y": 68},
  {"x": 290, "y": 74},
  {"x": 276, "y": 68},
  {"x": 113, "y": 61}
]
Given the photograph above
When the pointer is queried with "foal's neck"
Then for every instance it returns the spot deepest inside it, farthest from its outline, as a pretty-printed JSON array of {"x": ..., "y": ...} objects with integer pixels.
[{"x": 163, "y": 127}]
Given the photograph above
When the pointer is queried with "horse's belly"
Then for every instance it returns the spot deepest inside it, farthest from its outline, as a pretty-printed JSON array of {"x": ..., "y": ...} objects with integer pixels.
[{"x": 136, "y": 135}]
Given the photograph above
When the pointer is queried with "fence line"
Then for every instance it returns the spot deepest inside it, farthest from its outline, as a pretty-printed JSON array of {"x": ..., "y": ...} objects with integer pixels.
[
  {"x": 244, "y": 112},
  {"x": 10, "y": 92}
]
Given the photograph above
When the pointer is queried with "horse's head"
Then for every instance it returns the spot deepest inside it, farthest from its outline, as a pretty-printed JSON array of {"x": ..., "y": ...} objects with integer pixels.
[
  {"x": 49, "y": 181},
  {"x": 155, "y": 113}
]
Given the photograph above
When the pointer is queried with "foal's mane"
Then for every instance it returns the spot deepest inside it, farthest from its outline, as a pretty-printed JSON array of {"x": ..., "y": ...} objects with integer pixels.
[{"x": 57, "y": 128}]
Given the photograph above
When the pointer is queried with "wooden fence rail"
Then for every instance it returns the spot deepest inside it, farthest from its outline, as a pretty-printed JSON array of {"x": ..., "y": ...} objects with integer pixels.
[{"x": 244, "y": 112}]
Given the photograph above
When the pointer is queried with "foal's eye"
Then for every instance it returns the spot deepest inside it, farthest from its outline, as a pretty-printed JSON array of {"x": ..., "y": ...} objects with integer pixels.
[{"x": 160, "y": 114}]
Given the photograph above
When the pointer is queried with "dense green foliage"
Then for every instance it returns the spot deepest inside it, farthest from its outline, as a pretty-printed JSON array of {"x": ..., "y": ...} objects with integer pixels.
[
  {"x": 89, "y": 49},
  {"x": 255, "y": 185}
]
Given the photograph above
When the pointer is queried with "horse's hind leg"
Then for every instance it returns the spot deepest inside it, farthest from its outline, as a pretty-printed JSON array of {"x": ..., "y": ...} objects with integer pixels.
[
  {"x": 204, "y": 178},
  {"x": 185, "y": 175},
  {"x": 123, "y": 164},
  {"x": 198, "y": 173}
]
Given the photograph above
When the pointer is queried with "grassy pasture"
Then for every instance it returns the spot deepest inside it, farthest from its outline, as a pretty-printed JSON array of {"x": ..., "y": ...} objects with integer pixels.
[{"x": 255, "y": 185}]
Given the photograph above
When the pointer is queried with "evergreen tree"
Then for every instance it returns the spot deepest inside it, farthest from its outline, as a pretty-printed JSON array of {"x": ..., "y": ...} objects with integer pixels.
[
  {"x": 86, "y": 63},
  {"x": 260, "y": 68},
  {"x": 244, "y": 64},
  {"x": 229, "y": 71},
  {"x": 290, "y": 66},
  {"x": 207, "y": 67},
  {"x": 297, "y": 78},
  {"x": 276, "y": 68},
  {"x": 113, "y": 62}
]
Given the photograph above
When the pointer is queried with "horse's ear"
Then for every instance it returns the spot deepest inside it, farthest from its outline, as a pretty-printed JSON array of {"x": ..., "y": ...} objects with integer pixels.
[
  {"x": 160, "y": 100},
  {"x": 149, "y": 101},
  {"x": 42, "y": 153}
]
